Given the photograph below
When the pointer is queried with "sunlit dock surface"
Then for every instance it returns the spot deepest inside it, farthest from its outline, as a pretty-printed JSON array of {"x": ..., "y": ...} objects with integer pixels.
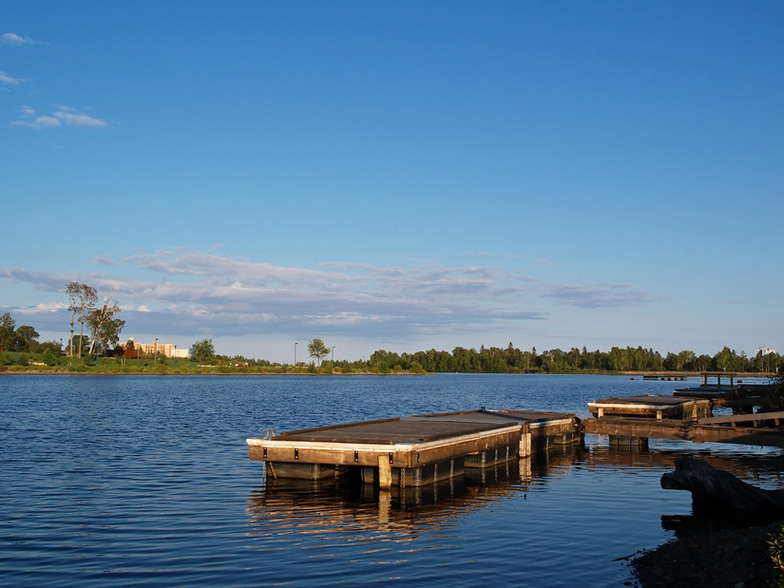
[{"x": 413, "y": 451}]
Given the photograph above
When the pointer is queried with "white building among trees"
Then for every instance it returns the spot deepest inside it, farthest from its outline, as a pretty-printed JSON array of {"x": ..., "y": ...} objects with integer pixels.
[{"x": 160, "y": 349}]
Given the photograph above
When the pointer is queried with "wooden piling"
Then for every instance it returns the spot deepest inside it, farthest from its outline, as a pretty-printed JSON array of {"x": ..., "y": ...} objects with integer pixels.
[{"x": 384, "y": 473}]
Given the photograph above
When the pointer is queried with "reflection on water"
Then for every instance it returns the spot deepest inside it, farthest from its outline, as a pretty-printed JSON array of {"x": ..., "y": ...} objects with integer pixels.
[
  {"x": 145, "y": 480},
  {"x": 329, "y": 516},
  {"x": 453, "y": 497},
  {"x": 336, "y": 504},
  {"x": 409, "y": 530}
]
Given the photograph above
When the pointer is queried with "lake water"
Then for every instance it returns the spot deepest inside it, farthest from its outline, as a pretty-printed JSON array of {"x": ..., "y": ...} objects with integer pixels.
[{"x": 122, "y": 480}]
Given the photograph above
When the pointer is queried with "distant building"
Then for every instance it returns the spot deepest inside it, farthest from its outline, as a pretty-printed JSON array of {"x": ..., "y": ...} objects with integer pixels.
[
  {"x": 157, "y": 348},
  {"x": 766, "y": 350}
]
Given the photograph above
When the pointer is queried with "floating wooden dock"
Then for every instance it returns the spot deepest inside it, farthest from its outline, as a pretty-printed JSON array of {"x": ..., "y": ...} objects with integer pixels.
[
  {"x": 688, "y": 415},
  {"x": 413, "y": 451},
  {"x": 660, "y": 407}
]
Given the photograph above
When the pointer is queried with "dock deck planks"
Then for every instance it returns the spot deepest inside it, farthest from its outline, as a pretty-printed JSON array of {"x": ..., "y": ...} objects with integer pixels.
[{"x": 389, "y": 432}]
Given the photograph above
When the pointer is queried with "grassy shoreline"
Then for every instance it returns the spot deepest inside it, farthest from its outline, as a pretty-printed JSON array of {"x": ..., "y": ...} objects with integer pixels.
[
  {"x": 111, "y": 366},
  {"x": 199, "y": 373}
]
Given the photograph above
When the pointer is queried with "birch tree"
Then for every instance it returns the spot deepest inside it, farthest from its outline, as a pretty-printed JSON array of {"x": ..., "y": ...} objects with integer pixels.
[
  {"x": 104, "y": 327},
  {"x": 87, "y": 298},
  {"x": 72, "y": 289}
]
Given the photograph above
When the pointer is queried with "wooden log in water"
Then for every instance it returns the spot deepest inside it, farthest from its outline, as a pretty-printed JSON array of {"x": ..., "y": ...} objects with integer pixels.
[{"x": 718, "y": 492}]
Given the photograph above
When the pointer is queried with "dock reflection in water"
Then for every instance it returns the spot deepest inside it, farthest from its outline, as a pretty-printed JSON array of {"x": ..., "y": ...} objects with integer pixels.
[
  {"x": 355, "y": 524},
  {"x": 300, "y": 506}
]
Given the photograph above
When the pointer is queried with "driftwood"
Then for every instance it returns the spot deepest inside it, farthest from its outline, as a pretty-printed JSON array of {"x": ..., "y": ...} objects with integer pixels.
[{"x": 717, "y": 492}]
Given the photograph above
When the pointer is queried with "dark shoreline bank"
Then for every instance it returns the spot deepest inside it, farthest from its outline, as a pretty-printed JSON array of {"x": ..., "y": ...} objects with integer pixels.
[{"x": 736, "y": 558}]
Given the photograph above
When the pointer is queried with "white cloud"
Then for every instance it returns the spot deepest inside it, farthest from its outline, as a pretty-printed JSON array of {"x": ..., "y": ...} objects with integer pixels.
[
  {"x": 62, "y": 116},
  {"x": 44, "y": 307},
  {"x": 79, "y": 120},
  {"x": 9, "y": 80},
  {"x": 38, "y": 122},
  {"x": 14, "y": 39}
]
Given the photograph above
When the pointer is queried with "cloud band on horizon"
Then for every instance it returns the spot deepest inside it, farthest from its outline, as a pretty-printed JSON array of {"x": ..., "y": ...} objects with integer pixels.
[{"x": 190, "y": 292}]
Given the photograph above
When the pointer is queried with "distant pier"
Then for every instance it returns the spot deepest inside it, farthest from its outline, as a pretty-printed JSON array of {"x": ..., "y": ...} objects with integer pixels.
[
  {"x": 665, "y": 377},
  {"x": 713, "y": 388}
]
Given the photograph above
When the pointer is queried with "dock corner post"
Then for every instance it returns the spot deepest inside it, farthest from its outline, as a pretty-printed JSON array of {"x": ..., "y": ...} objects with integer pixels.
[{"x": 384, "y": 473}]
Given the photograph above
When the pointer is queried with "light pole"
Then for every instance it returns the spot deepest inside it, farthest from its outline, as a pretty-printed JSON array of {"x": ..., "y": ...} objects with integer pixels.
[
  {"x": 175, "y": 355},
  {"x": 333, "y": 354},
  {"x": 295, "y": 354},
  {"x": 155, "y": 352}
]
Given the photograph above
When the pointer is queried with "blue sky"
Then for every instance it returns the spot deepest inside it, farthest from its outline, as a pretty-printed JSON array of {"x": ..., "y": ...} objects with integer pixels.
[{"x": 398, "y": 175}]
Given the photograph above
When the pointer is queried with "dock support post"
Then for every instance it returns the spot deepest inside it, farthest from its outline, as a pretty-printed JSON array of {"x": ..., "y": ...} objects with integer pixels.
[
  {"x": 384, "y": 473},
  {"x": 524, "y": 449}
]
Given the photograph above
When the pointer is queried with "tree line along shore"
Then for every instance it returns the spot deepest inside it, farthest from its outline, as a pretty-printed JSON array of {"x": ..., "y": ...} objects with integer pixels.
[{"x": 50, "y": 357}]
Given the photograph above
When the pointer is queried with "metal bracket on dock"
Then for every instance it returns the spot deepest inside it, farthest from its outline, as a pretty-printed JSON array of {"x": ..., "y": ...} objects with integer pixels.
[
  {"x": 356, "y": 456},
  {"x": 296, "y": 453},
  {"x": 391, "y": 457}
]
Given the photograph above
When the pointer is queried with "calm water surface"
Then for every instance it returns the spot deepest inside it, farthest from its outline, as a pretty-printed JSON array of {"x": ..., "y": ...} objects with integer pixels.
[{"x": 121, "y": 480}]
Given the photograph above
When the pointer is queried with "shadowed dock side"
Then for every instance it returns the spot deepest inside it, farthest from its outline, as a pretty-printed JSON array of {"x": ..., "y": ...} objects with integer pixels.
[
  {"x": 413, "y": 451},
  {"x": 637, "y": 431}
]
